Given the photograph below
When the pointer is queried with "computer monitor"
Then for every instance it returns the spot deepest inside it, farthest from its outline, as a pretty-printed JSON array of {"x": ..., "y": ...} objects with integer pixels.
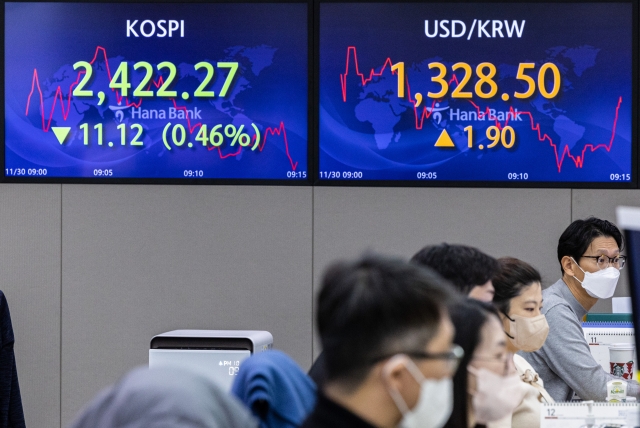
[
  {"x": 477, "y": 93},
  {"x": 156, "y": 92},
  {"x": 629, "y": 220}
]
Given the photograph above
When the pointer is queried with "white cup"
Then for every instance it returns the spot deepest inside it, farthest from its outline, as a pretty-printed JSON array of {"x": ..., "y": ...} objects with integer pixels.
[{"x": 621, "y": 360}]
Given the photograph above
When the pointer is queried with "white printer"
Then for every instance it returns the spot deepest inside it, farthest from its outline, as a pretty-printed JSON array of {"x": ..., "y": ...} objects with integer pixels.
[{"x": 214, "y": 353}]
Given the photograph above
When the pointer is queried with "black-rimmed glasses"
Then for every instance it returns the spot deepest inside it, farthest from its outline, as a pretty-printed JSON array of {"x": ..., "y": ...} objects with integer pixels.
[
  {"x": 603, "y": 261},
  {"x": 452, "y": 357}
]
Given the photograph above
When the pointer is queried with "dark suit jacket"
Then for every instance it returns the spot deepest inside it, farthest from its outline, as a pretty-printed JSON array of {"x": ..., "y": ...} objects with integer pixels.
[{"x": 11, "y": 413}]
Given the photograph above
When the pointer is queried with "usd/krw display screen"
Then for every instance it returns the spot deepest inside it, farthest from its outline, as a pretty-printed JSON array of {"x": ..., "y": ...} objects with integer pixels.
[
  {"x": 146, "y": 91},
  {"x": 476, "y": 92}
]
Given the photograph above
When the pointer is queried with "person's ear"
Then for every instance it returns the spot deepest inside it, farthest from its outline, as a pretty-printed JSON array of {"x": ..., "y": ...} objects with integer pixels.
[
  {"x": 506, "y": 323},
  {"x": 568, "y": 265},
  {"x": 393, "y": 371}
]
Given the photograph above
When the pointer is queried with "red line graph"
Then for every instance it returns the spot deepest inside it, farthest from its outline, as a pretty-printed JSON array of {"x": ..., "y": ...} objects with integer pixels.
[
  {"x": 279, "y": 131},
  {"x": 59, "y": 98},
  {"x": 578, "y": 160}
]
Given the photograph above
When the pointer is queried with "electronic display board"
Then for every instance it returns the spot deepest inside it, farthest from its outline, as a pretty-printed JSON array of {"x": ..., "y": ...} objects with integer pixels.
[
  {"x": 157, "y": 91},
  {"x": 628, "y": 219},
  {"x": 473, "y": 93}
]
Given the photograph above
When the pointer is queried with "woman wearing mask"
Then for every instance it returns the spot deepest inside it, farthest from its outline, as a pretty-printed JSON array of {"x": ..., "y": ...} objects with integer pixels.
[
  {"x": 486, "y": 387},
  {"x": 519, "y": 301}
]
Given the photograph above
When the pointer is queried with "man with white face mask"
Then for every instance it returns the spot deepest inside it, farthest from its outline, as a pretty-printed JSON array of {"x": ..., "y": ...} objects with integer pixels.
[
  {"x": 387, "y": 342},
  {"x": 589, "y": 255}
]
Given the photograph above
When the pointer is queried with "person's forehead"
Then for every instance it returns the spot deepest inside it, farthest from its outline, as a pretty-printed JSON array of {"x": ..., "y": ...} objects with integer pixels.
[
  {"x": 532, "y": 292},
  {"x": 488, "y": 284},
  {"x": 603, "y": 245},
  {"x": 492, "y": 336}
]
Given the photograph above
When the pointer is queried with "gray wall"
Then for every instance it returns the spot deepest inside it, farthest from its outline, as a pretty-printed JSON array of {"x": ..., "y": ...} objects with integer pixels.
[{"x": 92, "y": 272}]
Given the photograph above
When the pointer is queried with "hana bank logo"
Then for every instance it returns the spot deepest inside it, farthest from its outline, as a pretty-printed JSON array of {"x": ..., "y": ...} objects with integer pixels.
[
  {"x": 435, "y": 112},
  {"x": 119, "y": 111}
]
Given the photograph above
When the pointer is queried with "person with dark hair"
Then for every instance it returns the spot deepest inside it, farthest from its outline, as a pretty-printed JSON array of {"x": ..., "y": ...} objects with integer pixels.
[
  {"x": 467, "y": 268},
  {"x": 519, "y": 302},
  {"x": 590, "y": 260},
  {"x": 387, "y": 345},
  {"x": 486, "y": 387}
]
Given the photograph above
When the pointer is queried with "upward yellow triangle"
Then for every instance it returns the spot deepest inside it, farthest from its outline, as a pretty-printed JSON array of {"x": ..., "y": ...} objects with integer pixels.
[{"x": 444, "y": 140}]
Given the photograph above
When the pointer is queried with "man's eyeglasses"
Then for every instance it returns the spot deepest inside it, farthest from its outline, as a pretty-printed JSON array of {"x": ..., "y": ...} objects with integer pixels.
[
  {"x": 604, "y": 262},
  {"x": 452, "y": 357}
]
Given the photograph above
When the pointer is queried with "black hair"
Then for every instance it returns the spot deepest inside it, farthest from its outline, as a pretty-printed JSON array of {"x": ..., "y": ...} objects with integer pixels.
[
  {"x": 375, "y": 307},
  {"x": 468, "y": 317},
  {"x": 575, "y": 240},
  {"x": 465, "y": 267},
  {"x": 512, "y": 278}
]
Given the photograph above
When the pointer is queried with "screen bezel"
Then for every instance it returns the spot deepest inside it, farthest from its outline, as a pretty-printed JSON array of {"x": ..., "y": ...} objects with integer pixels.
[
  {"x": 201, "y": 181},
  {"x": 635, "y": 153}
]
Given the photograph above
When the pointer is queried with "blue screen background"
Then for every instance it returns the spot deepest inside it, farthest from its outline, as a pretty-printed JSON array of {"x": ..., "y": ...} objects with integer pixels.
[
  {"x": 583, "y": 134},
  {"x": 269, "y": 42}
]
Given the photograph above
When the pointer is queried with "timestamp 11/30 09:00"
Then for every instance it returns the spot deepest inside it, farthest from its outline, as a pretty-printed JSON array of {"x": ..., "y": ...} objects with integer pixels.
[
  {"x": 338, "y": 175},
  {"x": 31, "y": 172}
]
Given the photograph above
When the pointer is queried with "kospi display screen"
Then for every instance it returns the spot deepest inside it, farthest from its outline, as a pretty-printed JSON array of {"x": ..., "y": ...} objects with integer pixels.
[
  {"x": 209, "y": 91},
  {"x": 499, "y": 93}
]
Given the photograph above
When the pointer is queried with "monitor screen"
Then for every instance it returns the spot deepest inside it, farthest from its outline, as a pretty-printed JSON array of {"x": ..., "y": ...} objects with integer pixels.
[
  {"x": 152, "y": 91},
  {"x": 220, "y": 365},
  {"x": 628, "y": 218},
  {"x": 524, "y": 94}
]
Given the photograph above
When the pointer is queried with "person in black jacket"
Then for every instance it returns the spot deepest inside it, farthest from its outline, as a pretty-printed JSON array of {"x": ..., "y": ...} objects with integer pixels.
[
  {"x": 11, "y": 413},
  {"x": 387, "y": 341}
]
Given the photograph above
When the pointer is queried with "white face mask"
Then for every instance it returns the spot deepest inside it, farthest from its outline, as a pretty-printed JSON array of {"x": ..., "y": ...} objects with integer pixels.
[
  {"x": 601, "y": 284},
  {"x": 495, "y": 396},
  {"x": 434, "y": 404}
]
